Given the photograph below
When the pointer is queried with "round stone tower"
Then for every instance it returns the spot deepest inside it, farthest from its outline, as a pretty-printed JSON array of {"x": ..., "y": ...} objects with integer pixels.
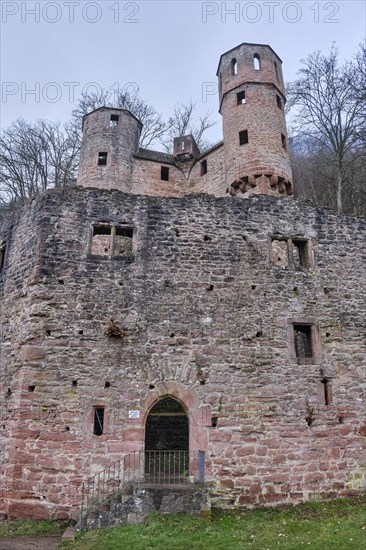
[
  {"x": 252, "y": 100},
  {"x": 110, "y": 139}
]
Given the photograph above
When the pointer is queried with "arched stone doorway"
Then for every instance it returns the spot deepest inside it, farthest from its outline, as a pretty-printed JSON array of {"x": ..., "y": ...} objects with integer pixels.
[{"x": 167, "y": 442}]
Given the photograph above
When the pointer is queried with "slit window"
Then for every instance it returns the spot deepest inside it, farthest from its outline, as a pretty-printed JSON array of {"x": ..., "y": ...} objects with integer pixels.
[
  {"x": 276, "y": 69},
  {"x": 164, "y": 173},
  {"x": 234, "y": 67},
  {"x": 2, "y": 257},
  {"x": 98, "y": 427},
  {"x": 283, "y": 141},
  {"x": 102, "y": 159},
  {"x": 203, "y": 167},
  {"x": 257, "y": 62},
  {"x": 243, "y": 137},
  {"x": 327, "y": 394},
  {"x": 240, "y": 98},
  {"x": 114, "y": 120},
  {"x": 110, "y": 240},
  {"x": 279, "y": 102}
]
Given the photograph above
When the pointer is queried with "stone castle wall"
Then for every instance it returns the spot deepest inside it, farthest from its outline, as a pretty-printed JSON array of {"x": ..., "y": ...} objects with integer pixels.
[{"x": 207, "y": 302}]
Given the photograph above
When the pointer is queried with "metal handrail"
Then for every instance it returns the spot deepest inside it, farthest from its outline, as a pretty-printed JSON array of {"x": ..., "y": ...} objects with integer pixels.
[{"x": 150, "y": 467}]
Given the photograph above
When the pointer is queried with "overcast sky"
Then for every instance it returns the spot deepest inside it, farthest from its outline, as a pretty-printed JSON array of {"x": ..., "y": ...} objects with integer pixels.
[{"x": 169, "y": 50}]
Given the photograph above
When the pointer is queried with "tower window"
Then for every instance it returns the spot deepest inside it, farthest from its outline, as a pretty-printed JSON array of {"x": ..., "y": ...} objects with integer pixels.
[
  {"x": 98, "y": 421},
  {"x": 257, "y": 62},
  {"x": 234, "y": 67},
  {"x": 302, "y": 341},
  {"x": 2, "y": 256},
  {"x": 301, "y": 254},
  {"x": 164, "y": 173},
  {"x": 276, "y": 69},
  {"x": 203, "y": 167},
  {"x": 102, "y": 159},
  {"x": 304, "y": 345},
  {"x": 243, "y": 137},
  {"x": 279, "y": 102},
  {"x": 114, "y": 120},
  {"x": 283, "y": 140},
  {"x": 240, "y": 97}
]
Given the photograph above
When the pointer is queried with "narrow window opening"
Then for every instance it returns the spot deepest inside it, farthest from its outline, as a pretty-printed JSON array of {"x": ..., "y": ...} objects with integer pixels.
[
  {"x": 114, "y": 121},
  {"x": 214, "y": 421},
  {"x": 182, "y": 145},
  {"x": 326, "y": 389},
  {"x": 303, "y": 341},
  {"x": 98, "y": 420},
  {"x": 206, "y": 238},
  {"x": 74, "y": 383},
  {"x": 31, "y": 388},
  {"x": 283, "y": 140},
  {"x": 257, "y": 62},
  {"x": 8, "y": 393},
  {"x": 279, "y": 102},
  {"x": 107, "y": 385},
  {"x": 240, "y": 97},
  {"x": 2, "y": 257},
  {"x": 203, "y": 167},
  {"x": 234, "y": 67},
  {"x": 243, "y": 137},
  {"x": 276, "y": 69},
  {"x": 164, "y": 173},
  {"x": 301, "y": 253},
  {"x": 280, "y": 252},
  {"x": 102, "y": 159}
]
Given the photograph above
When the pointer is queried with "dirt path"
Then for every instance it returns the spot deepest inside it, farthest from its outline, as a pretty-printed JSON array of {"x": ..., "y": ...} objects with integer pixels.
[{"x": 47, "y": 542}]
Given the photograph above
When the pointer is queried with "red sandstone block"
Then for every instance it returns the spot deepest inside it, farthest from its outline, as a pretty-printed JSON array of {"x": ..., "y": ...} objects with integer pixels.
[{"x": 27, "y": 510}]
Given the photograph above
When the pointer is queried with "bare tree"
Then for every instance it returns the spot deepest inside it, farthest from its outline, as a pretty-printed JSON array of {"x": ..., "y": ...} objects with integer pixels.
[
  {"x": 183, "y": 123},
  {"x": 329, "y": 111},
  {"x": 34, "y": 157},
  {"x": 153, "y": 124}
]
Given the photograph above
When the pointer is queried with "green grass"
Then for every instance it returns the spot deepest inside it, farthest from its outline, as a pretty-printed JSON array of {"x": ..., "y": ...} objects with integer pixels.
[
  {"x": 28, "y": 527},
  {"x": 338, "y": 525}
]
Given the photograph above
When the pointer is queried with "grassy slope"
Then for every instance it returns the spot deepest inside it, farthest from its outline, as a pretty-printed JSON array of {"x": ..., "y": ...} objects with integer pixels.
[{"x": 337, "y": 525}]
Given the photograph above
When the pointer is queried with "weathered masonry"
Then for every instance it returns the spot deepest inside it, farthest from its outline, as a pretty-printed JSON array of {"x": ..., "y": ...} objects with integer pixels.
[{"x": 151, "y": 309}]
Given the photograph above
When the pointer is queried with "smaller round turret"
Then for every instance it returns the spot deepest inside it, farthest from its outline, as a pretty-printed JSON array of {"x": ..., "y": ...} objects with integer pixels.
[
  {"x": 110, "y": 139},
  {"x": 252, "y": 100}
]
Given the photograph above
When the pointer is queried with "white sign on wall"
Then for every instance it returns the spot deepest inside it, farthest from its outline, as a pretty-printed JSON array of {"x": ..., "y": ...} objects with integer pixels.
[{"x": 133, "y": 414}]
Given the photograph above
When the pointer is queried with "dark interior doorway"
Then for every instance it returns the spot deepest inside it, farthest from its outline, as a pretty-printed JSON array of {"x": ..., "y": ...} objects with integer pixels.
[{"x": 167, "y": 427}]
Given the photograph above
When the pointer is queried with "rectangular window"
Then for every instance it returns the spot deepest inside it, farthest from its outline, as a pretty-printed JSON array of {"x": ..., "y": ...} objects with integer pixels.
[
  {"x": 304, "y": 344},
  {"x": 102, "y": 159},
  {"x": 2, "y": 257},
  {"x": 301, "y": 254},
  {"x": 114, "y": 120},
  {"x": 111, "y": 240},
  {"x": 279, "y": 102},
  {"x": 98, "y": 427},
  {"x": 243, "y": 137},
  {"x": 283, "y": 140},
  {"x": 203, "y": 167},
  {"x": 240, "y": 98},
  {"x": 164, "y": 173}
]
